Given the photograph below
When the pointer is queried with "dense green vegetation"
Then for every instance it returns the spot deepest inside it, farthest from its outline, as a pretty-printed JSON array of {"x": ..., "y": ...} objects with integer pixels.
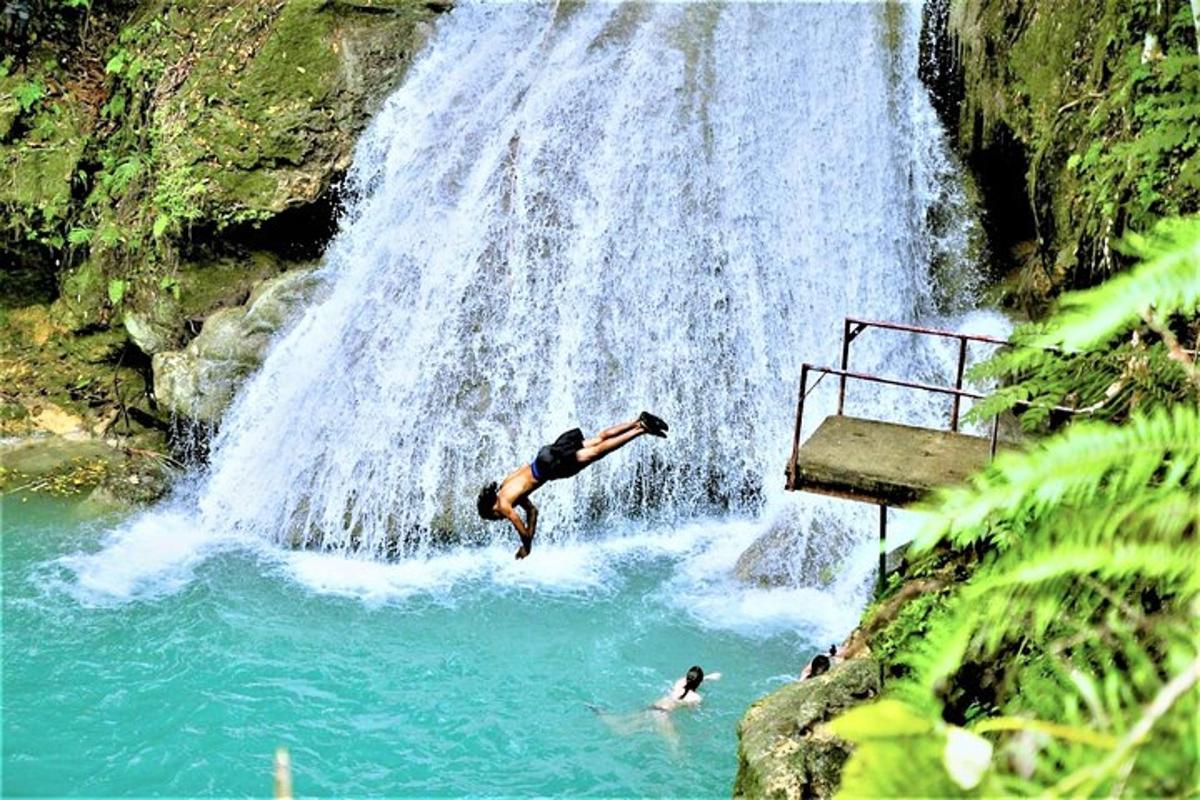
[
  {"x": 1100, "y": 102},
  {"x": 156, "y": 160},
  {"x": 1067, "y": 663}
]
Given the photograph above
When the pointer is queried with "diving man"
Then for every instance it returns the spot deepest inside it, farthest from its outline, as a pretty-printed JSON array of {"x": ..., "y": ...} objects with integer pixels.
[{"x": 563, "y": 458}]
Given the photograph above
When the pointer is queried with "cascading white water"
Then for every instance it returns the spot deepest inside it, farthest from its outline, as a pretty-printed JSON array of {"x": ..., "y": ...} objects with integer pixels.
[{"x": 569, "y": 213}]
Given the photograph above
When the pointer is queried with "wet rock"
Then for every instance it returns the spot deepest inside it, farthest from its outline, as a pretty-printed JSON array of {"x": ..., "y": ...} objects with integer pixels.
[
  {"x": 794, "y": 553},
  {"x": 199, "y": 381},
  {"x": 43, "y": 454},
  {"x": 132, "y": 483},
  {"x": 157, "y": 329},
  {"x": 784, "y": 747},
  {"x": 54, "y": 419}
]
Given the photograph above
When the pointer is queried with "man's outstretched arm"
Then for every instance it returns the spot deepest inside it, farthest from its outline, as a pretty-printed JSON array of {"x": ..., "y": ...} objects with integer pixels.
[
  {"x": 531, "y": 515},
  {"x": 523, "y": 530},
  {"x": 512, "y": 516}
]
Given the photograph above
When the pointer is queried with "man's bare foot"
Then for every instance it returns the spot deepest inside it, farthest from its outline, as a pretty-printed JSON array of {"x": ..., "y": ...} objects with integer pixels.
[{"x": 526, "y": 547}]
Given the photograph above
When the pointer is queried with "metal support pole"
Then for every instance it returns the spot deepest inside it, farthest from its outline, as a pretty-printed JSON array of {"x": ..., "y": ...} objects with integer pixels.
[
  {"x": 845, "y": 365},
  {"x": 882, "y": 550},
  {"x": 958, "y": 381},
  {"x": 995, "y": 436},
  {"x": 791, "y": 476}
]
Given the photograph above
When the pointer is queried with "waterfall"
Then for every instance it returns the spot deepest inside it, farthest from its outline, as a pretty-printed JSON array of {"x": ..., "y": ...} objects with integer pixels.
[{"x": 572, "y": 212}]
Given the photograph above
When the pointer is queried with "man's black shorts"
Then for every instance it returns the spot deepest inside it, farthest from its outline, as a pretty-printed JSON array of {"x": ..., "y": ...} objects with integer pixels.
[{"x": 557, "y": 460}]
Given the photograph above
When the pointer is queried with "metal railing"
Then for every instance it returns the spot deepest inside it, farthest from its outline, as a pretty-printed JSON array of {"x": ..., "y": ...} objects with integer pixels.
[{"x": 851, "y": 329}]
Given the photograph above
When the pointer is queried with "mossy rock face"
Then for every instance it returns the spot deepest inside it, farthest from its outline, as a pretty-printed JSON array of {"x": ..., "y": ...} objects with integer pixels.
[
  {"x": 784, "y": 748},
  {"x": 83, "y": 299},
  {"x": 37, "y": 169},
  {"x": 269, "y": 106},
  {"x": 130, "y": 194},
  {"x": 14, "y": 419},
  {"x": 225, "y": 281},
  {"x": 1077, "y": 131},
  {"x": 10, "y": 110}
]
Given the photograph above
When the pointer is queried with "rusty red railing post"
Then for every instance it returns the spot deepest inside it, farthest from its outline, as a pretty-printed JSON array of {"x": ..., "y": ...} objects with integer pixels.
[
  {"x": 958, "y": 381},
  {"x": 791, "y": 476},
  {"x": 845, "y": 364}
]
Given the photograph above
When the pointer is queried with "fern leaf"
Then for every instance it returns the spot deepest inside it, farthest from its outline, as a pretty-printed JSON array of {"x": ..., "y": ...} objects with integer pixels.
[{"x": 1167, "y": 281}]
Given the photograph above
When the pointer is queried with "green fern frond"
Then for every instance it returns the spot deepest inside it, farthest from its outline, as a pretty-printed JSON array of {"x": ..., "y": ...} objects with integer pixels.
[
  {"x": 1103, "y": 385},
  {"x": 1073, "y": 646},
  {"x": 1088, "y": 462},
  {"x": 1167, "y": 282}
]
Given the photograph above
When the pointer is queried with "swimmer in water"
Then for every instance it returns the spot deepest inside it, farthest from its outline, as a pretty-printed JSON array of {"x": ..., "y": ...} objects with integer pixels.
[
  {"x": 821, "y": 663},
  {"x": 684, "y": 693},
  {"x": 657, "y": 716}
]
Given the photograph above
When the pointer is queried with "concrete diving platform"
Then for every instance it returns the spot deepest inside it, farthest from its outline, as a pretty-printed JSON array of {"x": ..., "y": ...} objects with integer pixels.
[{"x": 884, "y": 462}]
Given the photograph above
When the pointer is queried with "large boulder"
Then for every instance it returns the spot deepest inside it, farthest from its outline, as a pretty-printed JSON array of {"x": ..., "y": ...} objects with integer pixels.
[
  {"x": 199, "y": 382},
  {"x": 795, "y": 553},
  {"x": 785, "y": 750}
]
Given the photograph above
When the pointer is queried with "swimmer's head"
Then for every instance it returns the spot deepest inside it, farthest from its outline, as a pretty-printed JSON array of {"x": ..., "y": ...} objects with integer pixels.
[
  {"x": 819, "y": 665},
  {"x": 695, "y": 677},
  {"x": 486, "y": 502}
]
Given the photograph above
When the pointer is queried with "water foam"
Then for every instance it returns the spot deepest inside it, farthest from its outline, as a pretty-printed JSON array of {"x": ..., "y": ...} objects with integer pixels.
[{"x": 153, "y": 554}]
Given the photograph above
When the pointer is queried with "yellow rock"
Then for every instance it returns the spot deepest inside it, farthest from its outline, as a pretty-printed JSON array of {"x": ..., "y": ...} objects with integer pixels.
[{"x": 54, "y": 419}]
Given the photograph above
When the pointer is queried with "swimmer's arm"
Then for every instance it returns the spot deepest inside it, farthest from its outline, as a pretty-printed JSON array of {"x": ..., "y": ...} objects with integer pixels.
[{"x": 715, "y": 676}]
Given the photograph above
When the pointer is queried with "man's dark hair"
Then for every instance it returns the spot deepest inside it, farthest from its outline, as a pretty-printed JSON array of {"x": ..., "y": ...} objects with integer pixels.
[
  {"x": 695, "y": 676},
  {"x": 486, "y": 503},
  {"x": 820, "y": 665}
]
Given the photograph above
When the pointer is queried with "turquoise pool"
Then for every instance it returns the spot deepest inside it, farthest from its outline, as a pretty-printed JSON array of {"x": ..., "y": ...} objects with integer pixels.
[{"x": 467, "y": 674}]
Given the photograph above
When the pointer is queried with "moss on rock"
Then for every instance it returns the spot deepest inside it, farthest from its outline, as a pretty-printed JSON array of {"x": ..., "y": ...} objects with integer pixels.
[
  {"x": 784, "y": 749},
  {"x": 265, "y": 104},
  {"x": 1080, "y": 132},
  {"x": 83, "y": 299},
  {"x": 38, "y": 167},
  {"x": 154, "y": 170}
]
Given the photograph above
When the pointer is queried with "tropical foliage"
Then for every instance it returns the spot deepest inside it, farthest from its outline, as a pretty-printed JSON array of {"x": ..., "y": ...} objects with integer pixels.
[
  {"x": 1115, "y": 347},
  {"x": 1068, "y": 663}
]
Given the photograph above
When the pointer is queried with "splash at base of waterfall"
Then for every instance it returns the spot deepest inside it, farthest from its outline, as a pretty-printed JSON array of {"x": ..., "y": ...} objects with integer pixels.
[{"x": 158, "y": 555}]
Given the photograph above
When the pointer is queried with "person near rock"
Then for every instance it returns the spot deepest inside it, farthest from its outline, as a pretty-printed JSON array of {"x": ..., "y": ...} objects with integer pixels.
[
  {"x": 563, "y": 458},
  {"x": 821, "y": 663}
]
